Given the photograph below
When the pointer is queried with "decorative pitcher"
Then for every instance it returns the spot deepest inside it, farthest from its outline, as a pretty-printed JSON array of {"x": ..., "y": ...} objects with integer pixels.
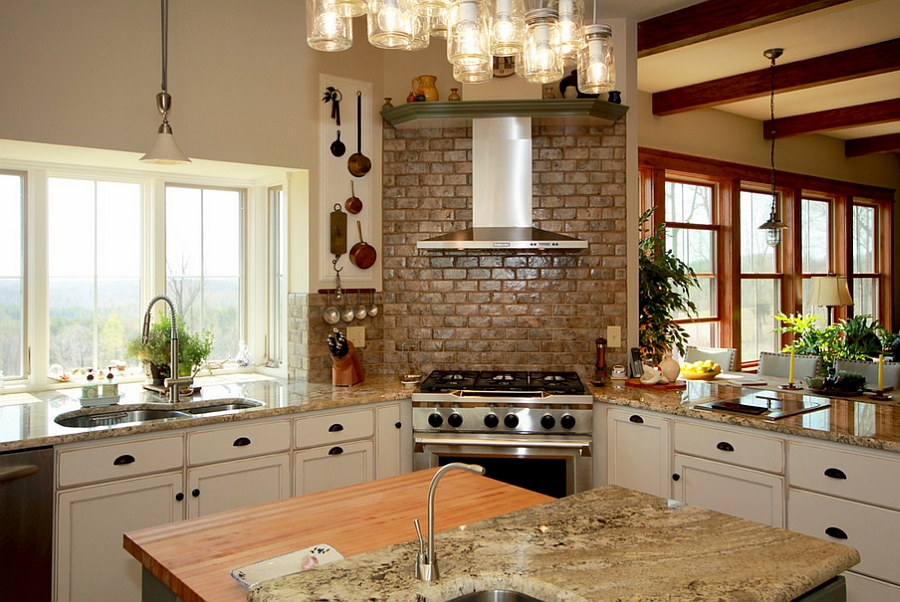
[
  {"x": 424, "y": 86},
  {"x": 670, "y": 367}
]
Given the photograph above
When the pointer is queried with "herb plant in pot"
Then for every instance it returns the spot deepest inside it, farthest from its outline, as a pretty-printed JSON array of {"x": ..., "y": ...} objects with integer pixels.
[
  {"x": 193, "y": 350},
  {"x": 663, "y": 292}
]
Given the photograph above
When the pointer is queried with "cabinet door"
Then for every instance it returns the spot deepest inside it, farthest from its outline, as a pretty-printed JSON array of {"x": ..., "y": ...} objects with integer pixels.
[
  {"x": 325, "y": 468},
  {"x": 388, "y": 441},
  {"x": 91, "y": 564},
  {"x": 638, "y": 452},
  {"x": 865, "y": 589},
  {"x": 230, "y": 485},
  {"x": 741, "y": 492}
]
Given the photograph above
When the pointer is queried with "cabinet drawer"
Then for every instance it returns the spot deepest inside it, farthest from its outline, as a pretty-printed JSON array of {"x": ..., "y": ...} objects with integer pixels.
[
  {"x": 872, "y": 531},
  {"x": 235, "y": 442},
  {"x": 327, "y": 429},
  {"x": 325, "y": 468},
  {"x": 752, "y": 451},
  {"x": 865, "y": 589},
  {"x": 845, "y": 474},
  {"x": 119, "y": 460}
]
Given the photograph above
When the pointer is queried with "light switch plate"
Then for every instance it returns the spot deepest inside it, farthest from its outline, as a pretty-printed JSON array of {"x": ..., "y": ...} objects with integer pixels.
[
  {"x": 357, "y": 335},
  {"x": 613, "y": 336}
]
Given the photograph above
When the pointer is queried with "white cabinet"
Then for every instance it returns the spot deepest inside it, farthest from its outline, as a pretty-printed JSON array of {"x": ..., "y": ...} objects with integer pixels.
[
  {"x": 393, "y": 439},
  {"x": 339, "y": 450},
  {"x": 638, "y": 451}
]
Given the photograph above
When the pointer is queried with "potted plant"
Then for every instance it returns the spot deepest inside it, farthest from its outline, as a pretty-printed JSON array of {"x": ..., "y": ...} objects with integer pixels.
[
  {"x": 856, "y": 338},
  {"x": 665, "y": 283},
  {"x": 155, "y": 354}
]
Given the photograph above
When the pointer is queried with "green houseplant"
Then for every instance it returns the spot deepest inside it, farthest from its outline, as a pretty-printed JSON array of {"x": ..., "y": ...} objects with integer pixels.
[
  {"x": 663, "y": 293},
  {"x": 193, "y": 350},
  {"x": 856, "y": 338}
]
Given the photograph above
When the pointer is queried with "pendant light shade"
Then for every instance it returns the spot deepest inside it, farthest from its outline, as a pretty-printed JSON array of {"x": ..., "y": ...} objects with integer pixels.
[
  {"x": 596, "y": 61},
  {"x": 773, "y": 225},
  {"x": 541, "y": 62},
  {"x": 164, "y": 150}
]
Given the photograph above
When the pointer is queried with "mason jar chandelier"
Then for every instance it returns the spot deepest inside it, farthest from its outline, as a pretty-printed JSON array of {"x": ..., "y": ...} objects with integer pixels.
[{"x": 540, "y": 38}]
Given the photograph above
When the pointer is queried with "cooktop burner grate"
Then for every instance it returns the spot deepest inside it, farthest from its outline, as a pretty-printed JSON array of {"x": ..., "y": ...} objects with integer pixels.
[{"x": 502, "y": 380}]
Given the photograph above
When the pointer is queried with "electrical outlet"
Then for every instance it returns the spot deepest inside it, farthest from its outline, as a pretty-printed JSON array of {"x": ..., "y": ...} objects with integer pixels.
[
  {"x": 357, "y": 335},
  {"x": 613, "y": 336}
]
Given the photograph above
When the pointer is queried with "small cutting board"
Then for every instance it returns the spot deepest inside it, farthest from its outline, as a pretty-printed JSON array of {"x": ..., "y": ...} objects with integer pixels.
[{"x": 636, "y": 382}]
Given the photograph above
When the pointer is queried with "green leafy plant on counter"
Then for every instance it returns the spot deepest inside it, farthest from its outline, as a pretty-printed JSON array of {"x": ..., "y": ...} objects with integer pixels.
[
  {"x": 663, "y": 293},
  {"x": 856, "y": 338},
  {"x": 193, "y": 349}
]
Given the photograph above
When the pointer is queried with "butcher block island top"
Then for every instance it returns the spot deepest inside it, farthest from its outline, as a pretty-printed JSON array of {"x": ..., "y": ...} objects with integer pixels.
[{"x": 608, "y": 543}]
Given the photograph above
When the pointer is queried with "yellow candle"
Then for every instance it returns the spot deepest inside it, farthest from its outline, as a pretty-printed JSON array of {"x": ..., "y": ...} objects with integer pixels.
[
  {"x": 881, "y": 372},
  {"x": 791, "y": 371}
]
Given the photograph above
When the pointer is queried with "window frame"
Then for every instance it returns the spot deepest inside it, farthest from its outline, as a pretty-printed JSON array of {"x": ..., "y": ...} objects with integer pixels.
[{"x": 24, "y": 276}]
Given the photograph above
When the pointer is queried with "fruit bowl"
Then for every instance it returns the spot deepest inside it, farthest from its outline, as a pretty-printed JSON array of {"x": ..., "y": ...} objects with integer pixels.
[{"x": 699, "y": 375}]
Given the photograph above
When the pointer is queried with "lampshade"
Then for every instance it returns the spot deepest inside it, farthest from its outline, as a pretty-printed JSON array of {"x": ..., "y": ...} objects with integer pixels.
[
  {"x": 164, "y": 150},
  {"x": 830, "y": 291}
]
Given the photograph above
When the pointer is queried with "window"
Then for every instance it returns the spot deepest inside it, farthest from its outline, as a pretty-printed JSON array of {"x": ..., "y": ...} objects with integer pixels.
[
  {"x": 94, "y": 267},
  {"x": 204, "y": 267},
  {"x": 12, "y": 270},
  {"x": 865, "y": 261},
  {"x": 277, "y": 302},
  {"x": 760, "y": 278},
  {"x": 815, "y": 249}
]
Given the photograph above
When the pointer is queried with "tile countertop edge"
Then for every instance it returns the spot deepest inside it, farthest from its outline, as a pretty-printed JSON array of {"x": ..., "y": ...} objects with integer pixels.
[{"x": 605, "y": 544}]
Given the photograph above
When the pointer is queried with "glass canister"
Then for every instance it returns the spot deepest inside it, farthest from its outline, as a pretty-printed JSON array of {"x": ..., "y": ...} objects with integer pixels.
[
  {"x": 596, "y": 61},
  {"x": 468, "y": 33},
  {"x": 389, "y": 24},
  {"x": 507, "y": 27},
  {"x": 476, "y": 73},
  {"x": 327, "y": 29},
  {"x": 571, "y": 27},
  {"x": 541, "y": 62}
]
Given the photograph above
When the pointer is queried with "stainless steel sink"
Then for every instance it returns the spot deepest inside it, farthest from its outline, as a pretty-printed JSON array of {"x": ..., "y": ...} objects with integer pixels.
[
  {"x": 116, "y": 417},
  {"x": 495, "y": 595},
  {"x": 223, "y": 407}
]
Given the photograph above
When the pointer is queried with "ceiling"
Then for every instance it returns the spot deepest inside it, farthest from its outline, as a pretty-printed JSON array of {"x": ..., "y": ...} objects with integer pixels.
[{"x": 687, "y": 52}]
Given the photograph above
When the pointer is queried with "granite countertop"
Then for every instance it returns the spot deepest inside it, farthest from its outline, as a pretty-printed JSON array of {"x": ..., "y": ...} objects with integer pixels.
[
  {"x": 853, "y": 421},
  {"x": 606, "y": 544}
]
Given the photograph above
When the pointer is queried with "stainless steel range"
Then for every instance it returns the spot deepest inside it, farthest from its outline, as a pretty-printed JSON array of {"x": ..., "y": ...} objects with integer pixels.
[{"x": 531, "y": 429}]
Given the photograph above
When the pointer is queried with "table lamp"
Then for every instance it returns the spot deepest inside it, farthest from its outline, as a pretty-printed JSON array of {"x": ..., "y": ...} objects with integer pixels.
[{"x": 830, "y": 291}]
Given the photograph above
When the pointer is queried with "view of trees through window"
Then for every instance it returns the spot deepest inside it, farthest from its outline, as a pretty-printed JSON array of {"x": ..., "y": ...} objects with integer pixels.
[
  {"x": 12, "y": 200},
  {"x": 865, "y": 276},
  {"x": 760, "y": 278}
]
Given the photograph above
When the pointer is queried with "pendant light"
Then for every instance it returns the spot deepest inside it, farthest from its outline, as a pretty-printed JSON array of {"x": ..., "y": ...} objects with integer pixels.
[
  {"x": 773, "y": 225},
  {"x": 541, "y": 63},
  {"x": 596, "y": 60},
  {"x": 164, "y": 150}
]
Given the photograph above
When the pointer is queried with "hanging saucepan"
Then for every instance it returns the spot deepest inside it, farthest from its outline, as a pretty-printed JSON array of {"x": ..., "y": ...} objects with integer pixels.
[
  {"x": 337, "y": 147},
  {"x": 362, "y": 255},
  {"x": 353, "y": 204},
  {"x": 359, "y": 164}
]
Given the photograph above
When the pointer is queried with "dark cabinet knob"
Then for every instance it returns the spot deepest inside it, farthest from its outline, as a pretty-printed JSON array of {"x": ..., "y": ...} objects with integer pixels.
[
  {"x": 455, "y": 420},
  {"x": 676, "y": 476},
  {"x": 335, "y": 451},
  {"x": 195, "y": 493},
  {"x": 179, "y": 496},
  {"x": 511, "y": 421},
  {"x": 124, "y": 459},
  {"x": 836, "y": 533},
  {"x": 491, "y": 421},
  {"x": 398, "y": 425},
  {"x": 835, "y": 473},
  {"x": 241, "y": 442},
  {"x": 548, "y": 421},
  {"x": 725, "y": 446},
  {"x": 567, "y": 422},
  {"x": 336, "y": 427},
  {"x": 435, "y": 420},
  {"x": 636, "y": 419}
]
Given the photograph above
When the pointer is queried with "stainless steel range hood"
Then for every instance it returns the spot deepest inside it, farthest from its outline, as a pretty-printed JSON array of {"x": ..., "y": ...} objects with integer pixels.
[{"x": 502, "y": 193}]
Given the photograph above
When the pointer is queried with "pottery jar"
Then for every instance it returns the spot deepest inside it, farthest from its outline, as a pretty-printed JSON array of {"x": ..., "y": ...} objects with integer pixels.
[{"x": 424, "y": 86}]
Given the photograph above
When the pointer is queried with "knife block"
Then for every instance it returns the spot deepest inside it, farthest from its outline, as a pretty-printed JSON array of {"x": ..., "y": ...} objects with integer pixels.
[{"x": 346, "y": 371}]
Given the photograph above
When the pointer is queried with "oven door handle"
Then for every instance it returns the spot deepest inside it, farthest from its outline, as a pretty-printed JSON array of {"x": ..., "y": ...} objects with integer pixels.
[{"x": 584, "y": 445}]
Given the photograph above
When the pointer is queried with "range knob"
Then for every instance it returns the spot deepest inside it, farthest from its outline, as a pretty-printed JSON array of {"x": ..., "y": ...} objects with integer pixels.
[
  {"x": 454, "y": 420},
  {"x": 435, "y": 420},
  {"x": 511, "y": 421},
  {"x": 567, "y": 421},
  {"x": 548, "y": 421},
  {"x": 491, "y": 421}
]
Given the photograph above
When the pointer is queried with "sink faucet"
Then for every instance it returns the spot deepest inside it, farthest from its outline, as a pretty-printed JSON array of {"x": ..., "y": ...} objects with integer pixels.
[
  {"x": 426, "y": 563},
  {"x": 173, "y": 382}
]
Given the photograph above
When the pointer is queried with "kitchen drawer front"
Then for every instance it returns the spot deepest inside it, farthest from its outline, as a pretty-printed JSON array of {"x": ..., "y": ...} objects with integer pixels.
[
  {"x": 846, "y": 474},
  {"x": 874, "y": 532},
  {"x": 741, "y": 449},
  {"x": 236, "y": 442},
  {"x": 865, "y": 589},
  {"x": 82, "y": 465},
  {"x": 328, "y": 429}
]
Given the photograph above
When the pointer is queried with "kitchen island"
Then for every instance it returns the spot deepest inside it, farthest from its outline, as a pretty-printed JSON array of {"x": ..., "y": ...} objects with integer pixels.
[{"x": 609, "y": 543}]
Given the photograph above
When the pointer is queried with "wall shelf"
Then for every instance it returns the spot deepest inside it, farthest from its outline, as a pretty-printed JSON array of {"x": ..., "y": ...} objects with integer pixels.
[{"x": 581, "y": 111}]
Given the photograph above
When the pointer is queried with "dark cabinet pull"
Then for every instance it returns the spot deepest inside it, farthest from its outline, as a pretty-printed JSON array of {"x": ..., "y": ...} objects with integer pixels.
[
  {"x": 195, "y": 493},
  {"x": 124, "y": 459},
  {"x": 835, "y": 473},
  {"x": 836, "y": 533},
  {"x": 179, "y": 496},
  {"x": 336, "y": 427},
  {"x": 241, "y": 442},
  {"x": 676, "y": 476},
  {"x": 724, "y": 446},
  {"x": 398, "y": 425},
  {"x": 636, "y": 419},
  {"x": 335, "y": 451}
]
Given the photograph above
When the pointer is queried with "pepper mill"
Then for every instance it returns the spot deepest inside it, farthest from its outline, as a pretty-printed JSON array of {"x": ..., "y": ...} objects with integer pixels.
[{"x": 601, "y": 372}]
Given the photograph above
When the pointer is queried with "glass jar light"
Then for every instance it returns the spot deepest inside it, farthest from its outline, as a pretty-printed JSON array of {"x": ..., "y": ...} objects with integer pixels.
[
  {"x": 326, "y": 28},
  {"x": 596, "y": 61},
  {"x": 421, "y": 30},
  {"x": 541, "y": 62},
  {"x": 437, "y": 23},
  {"x": 507, "y": 27},
  {"x": 428, "y": 7},
  {"x": 389, "y": 25},
  {"x": 571, "y": 27},
  {"x": 468, "y": 35},
  {"x": 352, "y": 8},
  {"x": 475, "y": 72}
]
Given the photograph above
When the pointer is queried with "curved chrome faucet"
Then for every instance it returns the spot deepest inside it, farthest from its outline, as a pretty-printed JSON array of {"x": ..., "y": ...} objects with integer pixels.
[
  {"x": 173, "y": 382},
  {"x": 426, "y": 563}
]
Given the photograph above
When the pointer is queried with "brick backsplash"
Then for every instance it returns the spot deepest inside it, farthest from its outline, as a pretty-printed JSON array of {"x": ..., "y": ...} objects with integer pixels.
[{"x": 509, "y": 310}]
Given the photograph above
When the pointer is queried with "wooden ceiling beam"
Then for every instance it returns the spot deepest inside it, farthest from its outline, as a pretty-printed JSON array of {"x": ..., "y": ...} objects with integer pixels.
[
  {"x": 874, "y": 59},
  {"x": 884, "y": 111},
  {"x": 889, "y": 143},
  {"x": 715, "y": 18}
]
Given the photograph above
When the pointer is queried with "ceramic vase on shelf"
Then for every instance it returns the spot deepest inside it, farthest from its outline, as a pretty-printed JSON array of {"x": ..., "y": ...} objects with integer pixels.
[
  {"x": 669, "y": 367},
  {"x": 424, "y": 86},
  {"x": 454, "y": 95}
]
